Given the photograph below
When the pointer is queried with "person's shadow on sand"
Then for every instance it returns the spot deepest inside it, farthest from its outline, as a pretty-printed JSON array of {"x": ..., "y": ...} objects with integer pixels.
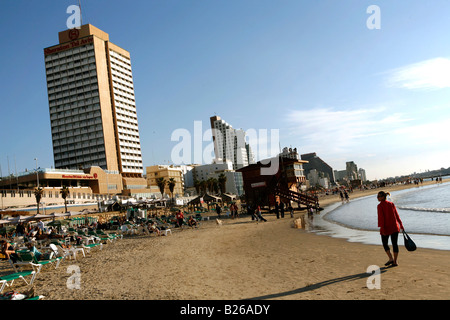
[{"x": 318, "y": 285}]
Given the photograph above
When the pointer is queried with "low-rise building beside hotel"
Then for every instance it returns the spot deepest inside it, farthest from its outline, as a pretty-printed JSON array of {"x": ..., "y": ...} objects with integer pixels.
[
  {"x": 166, "y": 172},
  {"x": 233, "y": 184},
  {"x": 88, "y": 185}
]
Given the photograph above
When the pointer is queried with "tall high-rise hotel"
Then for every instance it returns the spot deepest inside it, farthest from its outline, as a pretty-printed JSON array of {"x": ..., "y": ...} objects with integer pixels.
[{"x": 92, "y": 103}]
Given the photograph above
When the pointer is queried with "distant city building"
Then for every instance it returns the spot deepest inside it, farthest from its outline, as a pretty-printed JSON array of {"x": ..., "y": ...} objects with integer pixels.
[
  {"x": 166, "y": 172},
  {"x": 317, "y": 178},
  {"x": 187, "y": 172},
  {"x": 313, "y": 177},
  {"x": 234, "y": 183},
  {"x": 340, "y": 175},
  {"x": 92, "y": 106},
  {"x": 315, "y": 162},
  {"x": 230, "y": 144},
  {"x": 362, "y": 174},
  {"x": 352, "y": 170}
]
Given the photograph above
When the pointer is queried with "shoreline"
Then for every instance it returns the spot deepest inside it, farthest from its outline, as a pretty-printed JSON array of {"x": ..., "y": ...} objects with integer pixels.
[{"x": 336, "y": 229}]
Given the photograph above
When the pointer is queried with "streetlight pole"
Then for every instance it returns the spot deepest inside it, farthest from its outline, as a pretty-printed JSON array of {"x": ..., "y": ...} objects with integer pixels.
[{"x": 37, "y": 174}]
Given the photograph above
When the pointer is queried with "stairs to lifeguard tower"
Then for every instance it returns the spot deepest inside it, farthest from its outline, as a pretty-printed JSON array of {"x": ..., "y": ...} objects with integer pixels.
[
  {"x": 300, "y": 198},
  {"x": 283, "y": 191}
]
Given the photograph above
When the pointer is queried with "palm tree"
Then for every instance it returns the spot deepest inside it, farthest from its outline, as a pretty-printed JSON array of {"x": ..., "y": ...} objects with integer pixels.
[
  {"x": 197, "y": 186},
  {"x": 210, "y": 184},
  {"x": 38, "y": 193},
  {"x": 215, "y": 185},
  {"x": 171, "y": 185},
  {"x": 203, "y": 186},
  {"x": 161, "y": 185},
  {"x": 64, "y": 194},
  {"x": 222, "y": 182}
]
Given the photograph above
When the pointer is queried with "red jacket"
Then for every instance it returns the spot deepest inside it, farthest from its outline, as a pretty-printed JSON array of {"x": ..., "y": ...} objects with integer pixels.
[{"x": 388, "y": 219}]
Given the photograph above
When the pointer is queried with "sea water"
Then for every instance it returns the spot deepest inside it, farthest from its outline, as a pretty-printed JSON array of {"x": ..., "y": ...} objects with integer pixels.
[{"x": 424, "y": 211}]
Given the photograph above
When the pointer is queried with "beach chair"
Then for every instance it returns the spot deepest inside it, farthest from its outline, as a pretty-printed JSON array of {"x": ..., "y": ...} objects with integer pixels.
[
  {"x": 100, "y": 236},
  {"x": 91, "y": 246},
  {"x": 115, "y": 235},
  {"x": 88, "y": 238},
  {"x": 8, "y": 280},
  {"x": 63, "y": 252},
  {"x": 27, "y": 258}
]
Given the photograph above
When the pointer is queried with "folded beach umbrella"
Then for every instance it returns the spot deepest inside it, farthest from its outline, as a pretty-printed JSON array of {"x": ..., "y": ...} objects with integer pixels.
[
  {"x": 19, "y": 219},
  {"x": 41, "y": 216}
]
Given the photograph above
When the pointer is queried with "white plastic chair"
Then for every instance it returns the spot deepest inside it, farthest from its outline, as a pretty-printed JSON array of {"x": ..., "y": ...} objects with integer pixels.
[
  {"x": 71, "y": 252},
  {"x": 165, "y": 232}
]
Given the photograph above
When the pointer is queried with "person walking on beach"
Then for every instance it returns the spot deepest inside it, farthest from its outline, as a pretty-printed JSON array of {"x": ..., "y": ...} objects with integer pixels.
[
  {"x": 346, "y": 196},
  {"x": 291, "y": 210},
  {"x": 251, "y": 212},
  {"x": 218, "y": 210},
  {"x": 259, "y": 215},
  {"x": 277, "y": 210},
  {"x": 282, "y": 209},
  {"x": 390, "y": 225}
]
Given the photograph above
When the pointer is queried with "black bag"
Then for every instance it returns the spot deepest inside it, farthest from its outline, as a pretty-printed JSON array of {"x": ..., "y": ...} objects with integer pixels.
[{"x": 409, "y": 244}]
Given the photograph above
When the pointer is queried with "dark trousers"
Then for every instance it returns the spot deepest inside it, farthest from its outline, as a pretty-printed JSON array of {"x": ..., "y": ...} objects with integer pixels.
[
  {"x": 394, "y": 239},
  {"x": 260, "y": 217}
]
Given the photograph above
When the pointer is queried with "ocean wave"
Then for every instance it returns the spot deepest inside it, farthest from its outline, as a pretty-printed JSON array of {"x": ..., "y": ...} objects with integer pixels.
[{"x": 441, "y": 210}]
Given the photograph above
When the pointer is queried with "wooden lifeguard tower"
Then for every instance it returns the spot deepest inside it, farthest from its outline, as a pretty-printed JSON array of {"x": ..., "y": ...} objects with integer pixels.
[{"x": 265, "y": 183}]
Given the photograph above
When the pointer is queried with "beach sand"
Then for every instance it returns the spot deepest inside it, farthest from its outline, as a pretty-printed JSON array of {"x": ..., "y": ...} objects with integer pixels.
[{"x": 243, "y": 259}]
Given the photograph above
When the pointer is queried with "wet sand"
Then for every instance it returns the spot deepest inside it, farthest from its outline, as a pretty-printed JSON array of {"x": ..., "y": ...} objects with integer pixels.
[{"x": 243, "y": 259}]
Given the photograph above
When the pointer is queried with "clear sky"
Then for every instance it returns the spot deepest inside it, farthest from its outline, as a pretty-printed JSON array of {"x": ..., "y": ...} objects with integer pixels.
[{"x": 311, "y": 69}]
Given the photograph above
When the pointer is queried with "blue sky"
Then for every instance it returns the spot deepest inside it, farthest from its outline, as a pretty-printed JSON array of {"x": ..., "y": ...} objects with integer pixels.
[{"x": 310, "y": 69}]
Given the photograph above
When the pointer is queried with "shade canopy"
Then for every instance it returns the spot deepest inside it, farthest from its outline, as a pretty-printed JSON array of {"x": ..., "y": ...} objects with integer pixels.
[{"x": 206, "y": 198}]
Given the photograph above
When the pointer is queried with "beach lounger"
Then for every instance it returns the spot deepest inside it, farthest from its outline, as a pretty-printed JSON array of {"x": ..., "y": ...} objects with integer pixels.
[
  {"x": 101, "y": 234},
  {"x": 36, "y": 298},
  {"x": 87, "y": 238},
  {"x": 116, "y": 235},
  {"x": 91, "y": 246},
  {"x": 27, "y": 258},
  {"x": 8, "y": 280}
]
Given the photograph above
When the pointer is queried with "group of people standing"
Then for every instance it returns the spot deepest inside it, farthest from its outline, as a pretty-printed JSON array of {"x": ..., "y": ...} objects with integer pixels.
[
  {"x": 234, "y": 210},
  {"x": 255, "y": 212},
  {"x": 280, "y": 209},
  {"x": 344, "y": 196}
]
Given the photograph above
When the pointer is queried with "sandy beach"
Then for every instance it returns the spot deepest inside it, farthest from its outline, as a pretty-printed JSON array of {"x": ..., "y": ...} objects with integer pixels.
[{"x": 243, "y": 259}]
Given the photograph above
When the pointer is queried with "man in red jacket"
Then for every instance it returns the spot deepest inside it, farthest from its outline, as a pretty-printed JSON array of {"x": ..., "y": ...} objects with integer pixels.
[{"x": 390, "y": 224}]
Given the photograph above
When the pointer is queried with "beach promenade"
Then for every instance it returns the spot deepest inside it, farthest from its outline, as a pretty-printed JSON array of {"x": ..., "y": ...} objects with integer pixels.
[{"x": 243, "y": 259}]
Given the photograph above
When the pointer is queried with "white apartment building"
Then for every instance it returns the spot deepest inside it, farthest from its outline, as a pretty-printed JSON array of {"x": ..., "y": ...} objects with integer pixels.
[
  {"x": 234, "y": 183},
  {"x": 230, "y": 144}
]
